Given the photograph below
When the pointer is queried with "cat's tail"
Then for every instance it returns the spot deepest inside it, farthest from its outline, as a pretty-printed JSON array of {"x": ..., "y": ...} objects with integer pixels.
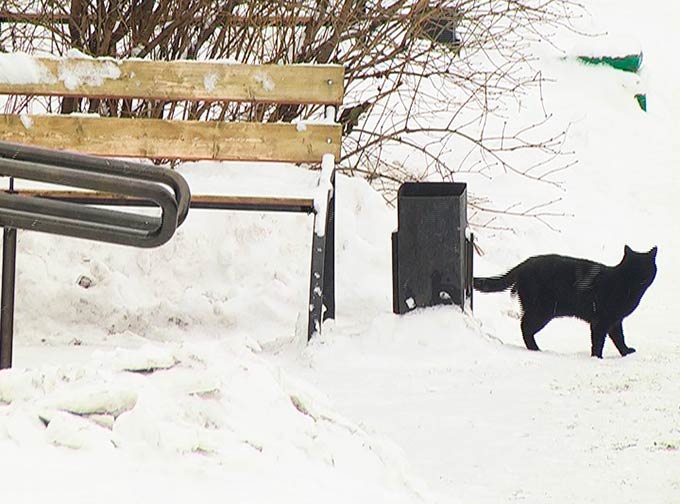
[{"x": 498, "y": 283}]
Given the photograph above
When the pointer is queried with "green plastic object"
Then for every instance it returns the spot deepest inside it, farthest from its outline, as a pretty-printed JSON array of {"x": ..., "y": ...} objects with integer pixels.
[
  {"x": 642, "y": 101},
  {"x": 628, "y": 63}
]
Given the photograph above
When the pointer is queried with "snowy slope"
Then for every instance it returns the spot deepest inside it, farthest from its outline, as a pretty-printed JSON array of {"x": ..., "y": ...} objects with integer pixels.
[{"x": 181, "y": 371}]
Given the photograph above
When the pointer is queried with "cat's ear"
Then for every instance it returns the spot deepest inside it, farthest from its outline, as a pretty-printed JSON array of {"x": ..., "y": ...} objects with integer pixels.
[
  {"x": 627, "y": 250},
  {"x": 653, "y": 252}
]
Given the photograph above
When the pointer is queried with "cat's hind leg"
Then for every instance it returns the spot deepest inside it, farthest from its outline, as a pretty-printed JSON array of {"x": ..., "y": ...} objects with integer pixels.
[
  {"x": 598, "y": 333},
  {"x": 531, "y": 324},
  {"x": 616, "y": 334}
]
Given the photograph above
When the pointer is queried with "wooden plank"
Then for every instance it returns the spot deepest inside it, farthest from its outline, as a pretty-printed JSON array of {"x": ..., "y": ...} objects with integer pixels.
[
  {"x": 205, "y": 201},
  {"x": 186, "y": 140},
  {"x": 33, "y": 17},
  {"x": 226, "y": 18},
  {"x": 180, "y": 80}
]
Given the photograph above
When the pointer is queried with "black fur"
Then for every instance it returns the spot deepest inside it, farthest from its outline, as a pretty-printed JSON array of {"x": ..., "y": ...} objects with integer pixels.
[{"x": 551, "y": 286}]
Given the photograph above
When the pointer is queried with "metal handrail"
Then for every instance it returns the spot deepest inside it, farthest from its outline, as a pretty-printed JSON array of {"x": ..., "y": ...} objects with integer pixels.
[
  {"x": 155, "y": 186},
  {"x": 82, "y": 221},
  {"x": 83, "y": 162}
]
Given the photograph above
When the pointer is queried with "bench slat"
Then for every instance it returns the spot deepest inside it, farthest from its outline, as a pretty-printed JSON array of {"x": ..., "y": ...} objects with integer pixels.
[
  {"x": 207, "y": 201},
  {"x": 181, "y": 80},
  {"x": 186, "y": 140}
]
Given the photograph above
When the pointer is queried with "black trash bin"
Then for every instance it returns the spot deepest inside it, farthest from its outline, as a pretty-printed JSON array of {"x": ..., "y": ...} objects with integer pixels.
[{"x": 431, "y": 254}]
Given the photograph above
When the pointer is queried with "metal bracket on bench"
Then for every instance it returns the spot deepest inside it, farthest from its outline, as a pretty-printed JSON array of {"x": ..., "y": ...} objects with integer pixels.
[{"x": 163, "y": 188}]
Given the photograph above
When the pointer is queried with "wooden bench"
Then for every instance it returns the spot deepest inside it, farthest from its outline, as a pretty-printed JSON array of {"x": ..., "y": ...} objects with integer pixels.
[{"x": 198, "y": 84}]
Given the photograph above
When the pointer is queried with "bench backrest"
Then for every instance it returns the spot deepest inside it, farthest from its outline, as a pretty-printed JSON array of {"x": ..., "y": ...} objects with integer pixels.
[{"x": 175, "y": 80}]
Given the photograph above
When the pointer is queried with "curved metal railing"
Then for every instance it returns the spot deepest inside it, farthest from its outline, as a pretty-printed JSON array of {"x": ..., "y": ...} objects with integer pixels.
[{"x": 161, "y": 187}]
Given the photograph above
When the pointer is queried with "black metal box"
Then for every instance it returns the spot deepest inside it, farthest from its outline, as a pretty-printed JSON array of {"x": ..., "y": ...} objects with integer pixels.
[{"x": 431, "y": 254}]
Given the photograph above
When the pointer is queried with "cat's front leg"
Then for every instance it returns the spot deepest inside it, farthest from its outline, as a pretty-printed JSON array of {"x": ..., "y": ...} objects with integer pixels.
[
  {"x": 597, "y": 336},
  {"x": 616, "y": 334}
]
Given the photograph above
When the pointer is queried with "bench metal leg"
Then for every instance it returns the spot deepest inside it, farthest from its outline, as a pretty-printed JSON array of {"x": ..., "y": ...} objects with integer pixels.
[
  {"x": 316, "y": 284},
  {"x": 9, "y": 256},
  {"x": 322, "y": 275},
  {"x": 329, "y": 260}
]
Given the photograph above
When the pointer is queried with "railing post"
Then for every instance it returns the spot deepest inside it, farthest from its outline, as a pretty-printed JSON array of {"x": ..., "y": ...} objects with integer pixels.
[
  {"x": 9, "y": 255},
  {"x": 9, "y": 262}
]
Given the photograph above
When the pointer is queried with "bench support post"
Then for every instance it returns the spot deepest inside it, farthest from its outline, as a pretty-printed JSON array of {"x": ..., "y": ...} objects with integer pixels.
[
  {"x": 322, "y": 274},
  {"x": 329, "y": 259},
  {"x": 316, "y": 285},
  {"x": 330, "y": 113}
]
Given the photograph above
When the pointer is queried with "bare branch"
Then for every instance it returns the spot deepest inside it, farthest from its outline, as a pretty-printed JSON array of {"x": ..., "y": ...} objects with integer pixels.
[{"x": 436, "y": 73}]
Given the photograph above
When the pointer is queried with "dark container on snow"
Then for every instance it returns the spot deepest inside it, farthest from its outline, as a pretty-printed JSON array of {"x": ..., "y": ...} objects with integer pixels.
[{"x": 431, "y": 254}]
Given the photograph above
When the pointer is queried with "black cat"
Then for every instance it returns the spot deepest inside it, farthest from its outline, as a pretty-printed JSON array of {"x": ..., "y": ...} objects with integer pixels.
[{"x": 551, "y": 286}]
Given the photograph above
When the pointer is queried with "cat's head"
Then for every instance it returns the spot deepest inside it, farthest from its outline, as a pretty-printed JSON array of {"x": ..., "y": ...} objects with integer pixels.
[{"x": 643, "y": 263}]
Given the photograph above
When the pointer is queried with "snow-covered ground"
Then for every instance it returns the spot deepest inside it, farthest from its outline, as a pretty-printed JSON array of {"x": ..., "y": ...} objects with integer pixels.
[{"x": 181, "y": 372}]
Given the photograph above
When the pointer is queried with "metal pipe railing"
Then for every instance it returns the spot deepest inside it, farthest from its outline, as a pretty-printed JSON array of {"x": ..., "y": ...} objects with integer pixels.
[
  {"x": 98, "y": 165},
  {"x": 83, "y": 221}
]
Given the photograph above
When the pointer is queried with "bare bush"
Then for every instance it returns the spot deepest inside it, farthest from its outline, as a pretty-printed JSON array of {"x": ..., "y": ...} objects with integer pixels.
[{"x": 422, "y": 77}]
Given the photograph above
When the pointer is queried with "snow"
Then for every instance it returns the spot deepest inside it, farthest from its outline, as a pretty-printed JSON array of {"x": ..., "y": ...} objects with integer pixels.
[
  {"x": 323, "y": 193},
  {"x": 74, "y": 53},
  {"x": 20, "y": 68},
  {"x": 607, "y": 44},
  {"x": 77, "y": 72},
  {"x": 265, "y": 81},
  {"x": 210, "y": 81},
  {"x": 26, "y": 121},
  {"x": 183, "y": 370}
]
